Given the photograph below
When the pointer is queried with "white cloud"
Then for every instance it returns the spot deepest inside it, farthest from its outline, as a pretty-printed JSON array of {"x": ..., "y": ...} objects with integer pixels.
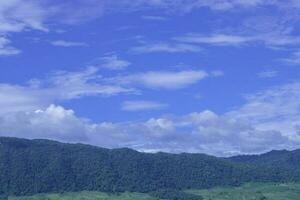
[
  {"x": 53, "y": 122},
  {"x": 204, "y": 132},
  {"x": 277, "y": 109},
  {"x": 18, "y": 16},
  {"x": 166, "y": 47},
  {"x": 218, "y": 39},
  {"x": 64, "y": 85},
  {"x": 63, "y": 43},
  {"x": 160, "y": 124},
  {"x": 15, "y": 98},
  {"x": 154, "y": 18},
  {"x": 57, "y": 87},
  {"x": 163, "y": 79},
  {"x": 183, "y": 6},
  {"x": 83, "y": 83},
  {"x": 268, "y": 120},
  {"x": 267, "y": 74},
  {"x": 142, "y": 105},
  {"x": 6, "y": 49},
  {"x": 237, "y": 40},
  {"x": 75, "y": 10},
  {"x": 217, "y": 73},
  {"x": 113, "y": 62},
  {"x": 294, "y": 59}
]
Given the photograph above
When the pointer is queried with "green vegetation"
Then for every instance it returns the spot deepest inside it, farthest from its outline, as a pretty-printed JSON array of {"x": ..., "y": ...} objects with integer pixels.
[
  {"x": 41, "y": 166},
  {"x": 29, "y": 167},
  {"x": 175, "y": 195},
  {"x": 249, "y": 191},
  {"x": 86, "y": 196},
  {"x": 252, "y": 191}
]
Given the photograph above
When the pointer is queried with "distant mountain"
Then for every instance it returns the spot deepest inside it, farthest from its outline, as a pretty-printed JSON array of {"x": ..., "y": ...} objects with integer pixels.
[
  {"x": 289, "y": 160},
  {"x": 40, "y": 166}
]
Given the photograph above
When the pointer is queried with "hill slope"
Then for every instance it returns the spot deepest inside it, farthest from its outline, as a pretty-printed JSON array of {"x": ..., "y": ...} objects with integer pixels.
[
  {"x": 289, "y": 160},
  {"x": 41, "y": 166}
]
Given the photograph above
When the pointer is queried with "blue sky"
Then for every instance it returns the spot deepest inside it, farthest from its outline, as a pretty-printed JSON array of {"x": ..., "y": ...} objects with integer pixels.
[{"x": 213, "y": 76}]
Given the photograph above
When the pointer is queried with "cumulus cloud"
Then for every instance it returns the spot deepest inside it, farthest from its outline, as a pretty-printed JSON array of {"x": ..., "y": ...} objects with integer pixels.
[
  {"x": 204, "y": 132},
  {"x": 142, "y": 105},
  {"x": 64, "y": 43},
  {"x": 54, "y": 122},
  {"x": 268, "y": 120}
]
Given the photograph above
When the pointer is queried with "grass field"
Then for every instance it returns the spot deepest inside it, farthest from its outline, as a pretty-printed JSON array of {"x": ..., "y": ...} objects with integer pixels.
[
  {"x": 250, "y": 191},
  {"x": 86, "y": 196}
]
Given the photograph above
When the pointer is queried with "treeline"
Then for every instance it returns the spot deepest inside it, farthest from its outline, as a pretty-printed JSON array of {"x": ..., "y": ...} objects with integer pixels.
[
  {"x": 42, "y": 166},
  {"x": 171, "y": 194}
]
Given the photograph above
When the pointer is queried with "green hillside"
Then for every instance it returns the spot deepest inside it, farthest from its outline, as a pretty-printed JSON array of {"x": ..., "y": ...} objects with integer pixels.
[
  {"x": 249, "y": 191},
  {"x": 86, "y": 196},
  {"x": 30, "y": 167},
  {"x": 252, "y": 191}
]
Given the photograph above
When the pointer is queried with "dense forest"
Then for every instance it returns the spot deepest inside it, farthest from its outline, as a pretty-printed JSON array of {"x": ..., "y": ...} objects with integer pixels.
[{"x": 41, "y": 166}]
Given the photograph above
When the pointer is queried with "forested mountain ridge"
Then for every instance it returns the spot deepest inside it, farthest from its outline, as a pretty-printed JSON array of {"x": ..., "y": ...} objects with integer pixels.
[
  {"x": 276, "y": 158},
  {"x": 41, "y": 166}
]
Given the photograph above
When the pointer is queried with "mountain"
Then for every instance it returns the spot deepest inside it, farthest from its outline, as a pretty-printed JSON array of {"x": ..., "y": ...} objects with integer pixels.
[
  {"x": 41, "y": 166},
  {"x": 289, "y": 160},
  {"x": 278, "y": 165}
]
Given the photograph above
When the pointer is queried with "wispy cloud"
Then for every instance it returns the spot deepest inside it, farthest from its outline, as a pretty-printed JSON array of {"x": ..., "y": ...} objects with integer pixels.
[
  {"x": 237, "y": 40},
  {"x": 166, "y": 47},
  {"x": 64, "y": 43},
  {"x": 14, "y": 17},
  {"x": 267, "y": 74},
  {"x": 217, "y": 73},
  {"x": 154, "y": 18},
  {"x": 205, "y": 132},
  {"x": 163, "y": 79},
  {"x": 6, "y": 49},
  {"x": 64, "y": 85},
  {"x": 113, "y": 62},
  {"x": 57, "y": 87},
  {"x": 142, "y": 105},
  {"x": 218, "y": 39},
  {"x": 268, "y": 120},
  {"x": 276, "y": 108},
  {"x": 294, "y": 59}
]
